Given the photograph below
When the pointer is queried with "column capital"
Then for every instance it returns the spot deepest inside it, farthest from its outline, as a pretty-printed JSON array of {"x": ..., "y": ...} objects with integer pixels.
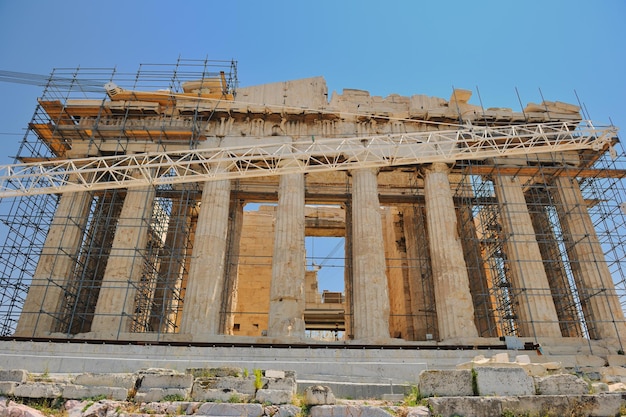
[
  {"x": 436, "y": 167},
  {"x": 370, "y": 169}
]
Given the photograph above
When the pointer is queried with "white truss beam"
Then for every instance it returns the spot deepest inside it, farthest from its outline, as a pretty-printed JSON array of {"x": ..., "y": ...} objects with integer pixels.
[{"x": 304, "y": 155}]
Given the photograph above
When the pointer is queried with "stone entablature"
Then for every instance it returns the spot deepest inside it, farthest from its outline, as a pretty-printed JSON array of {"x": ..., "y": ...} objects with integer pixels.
[{"x": 298, "y": 109}]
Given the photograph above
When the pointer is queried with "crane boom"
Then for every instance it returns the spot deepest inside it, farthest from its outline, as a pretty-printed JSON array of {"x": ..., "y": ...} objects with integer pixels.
[{"x": 304, "y": 155}]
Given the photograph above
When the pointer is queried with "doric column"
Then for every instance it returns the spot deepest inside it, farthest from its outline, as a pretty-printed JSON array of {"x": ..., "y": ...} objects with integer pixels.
[
  {"x": 419, "y": 273},
  {"x": 167, "y": 293},
  {"x": 533, "y": 298},
  {"x": 562, "y": 295},
  {"x": 369, "y": 289},
  {"x": 54, "y": 269},
  {"x": 455, "y": 310},
  {"x": 231, "y": 274},
  {"x": 203, "y": 297},
  {"x": 596, "y": 290},
  {"x": 287, "y": 302},
  {"x": 400, "y": 323},
  {"x": 479, "y": 283},
  {"x": 92, "y": 261},
  {"x": 116, "y": 300},
  {"x": 348, "y": 273}
]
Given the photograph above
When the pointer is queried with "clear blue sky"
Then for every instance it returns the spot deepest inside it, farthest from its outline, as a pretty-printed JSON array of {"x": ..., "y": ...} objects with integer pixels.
[{"x": 404, "y": 47}]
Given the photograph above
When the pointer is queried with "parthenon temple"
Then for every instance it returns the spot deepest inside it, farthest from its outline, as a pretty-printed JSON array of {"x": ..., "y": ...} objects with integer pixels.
[{"x": 451, "y": 222}]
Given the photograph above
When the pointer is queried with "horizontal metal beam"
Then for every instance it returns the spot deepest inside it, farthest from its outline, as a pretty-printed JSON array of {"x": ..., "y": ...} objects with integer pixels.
[{"x": 303, "y": 155}]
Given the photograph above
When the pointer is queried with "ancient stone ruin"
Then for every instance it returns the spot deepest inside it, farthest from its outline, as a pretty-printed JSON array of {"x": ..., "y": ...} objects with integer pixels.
[{"x": 174, "y": 217}]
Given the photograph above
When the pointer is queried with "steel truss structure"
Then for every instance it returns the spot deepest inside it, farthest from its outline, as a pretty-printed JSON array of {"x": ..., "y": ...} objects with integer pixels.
[{"x": 270, "y": 159}]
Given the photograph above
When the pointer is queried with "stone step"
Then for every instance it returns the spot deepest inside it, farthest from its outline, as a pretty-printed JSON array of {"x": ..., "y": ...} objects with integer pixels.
[
  {"x": 562, "y": 405},
  {"x": 356, "y": 390}
]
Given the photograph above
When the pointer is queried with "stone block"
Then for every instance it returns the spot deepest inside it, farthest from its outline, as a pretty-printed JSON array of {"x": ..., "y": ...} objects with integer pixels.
[
  {"x": 563, "y": 384},
  {"x": 180, "y": 381},
  {"x": 523, "y": 359},
  {"x": 319, "y": 395},
  {"x": 13, "y": 375},
  {"x": 228, "y": 383},
  {"x": 617, "y": 387},
  {"x": 158, "y": 394},
  {"x": 6, "y": 388},
  {"x": 446, "y": 383},
  {"x": 590, "y": 360},
  {"x": 285, "y": 384},
  {"x": 612, "y": 371},
  {"x": 215, "y": 372},
  {"x": 39, "y": 390},
  {"x": 503, "y": 381},
  {"x": 611, "y": 379},
  {"x": 604, "y": 404},
  {"x": 616, "y": 360},
  {"x": 535, "y": 369},
  {"x": 172, "y": 408},
  {"x": 419, "y": 411},
  {"x": 347, "y": 410},
  {"x": 287, "y": 410},
  {"x": 593, "y": 375},
  {"x": 599, "y": 387},
  {"x": 106, "y": 380},
  {"x": 80, "y": 391},
  {"x": 230, "y": 410},
  {"x": 223, "y": 395},
  {"x": 465, "y": 406},
  {"x": 270, "y": 373},
  {"x": 563, "y": 405},
  {"x": 552, "y": 366},
  {"x": 274, "y": 396},
  {"x": 500, "y": 358}
]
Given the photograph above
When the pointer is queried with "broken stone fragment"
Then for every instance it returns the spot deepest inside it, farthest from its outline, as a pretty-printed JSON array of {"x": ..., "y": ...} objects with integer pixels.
[{"x": 319, "y": 395}]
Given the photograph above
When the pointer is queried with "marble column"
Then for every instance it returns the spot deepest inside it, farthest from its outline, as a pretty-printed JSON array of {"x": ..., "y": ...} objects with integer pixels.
[
  {"x": 116, "y": 301},
  {"x": 421, "y": 293},
  {"x": 479, "y": 283},
  {"x": 534, "y": 306},
  {"x": 369, "y": 290},
  {"x": 231, "y": 290},
  {"x": 596, "y": 290},
  {"x": 348, "y": 273},
  {"x": 400, "y": 323},
  {"x": 287, "y": 301},
  {"x": 205, "y": 284},
  {"x": 562, "y": 295},
  {"x": 455, "y": 309},
  {"x": 55, "y": 266},
  {"x": 92, "y": 261},
  {"x": 167, "y": 292}
]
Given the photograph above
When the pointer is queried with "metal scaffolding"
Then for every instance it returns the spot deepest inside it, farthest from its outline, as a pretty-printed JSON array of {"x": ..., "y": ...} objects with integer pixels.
[
  {"x": 603, "y": 198},
  {"x": 161, "y": 238},
  {"x": 27, "y": 220}
]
